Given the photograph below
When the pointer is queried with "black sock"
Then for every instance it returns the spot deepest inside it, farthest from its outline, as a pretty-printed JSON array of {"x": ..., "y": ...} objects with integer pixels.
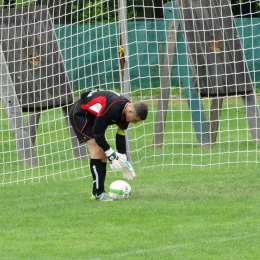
[
  {"x": 104, "y": 165},
  {"x": 96, "y": 169}
]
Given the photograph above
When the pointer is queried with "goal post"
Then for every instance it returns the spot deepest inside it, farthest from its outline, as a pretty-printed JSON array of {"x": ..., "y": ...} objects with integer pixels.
[{"x": 195, "y": 64}]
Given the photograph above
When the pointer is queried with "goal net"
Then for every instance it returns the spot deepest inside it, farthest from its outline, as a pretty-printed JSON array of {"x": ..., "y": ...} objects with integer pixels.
[{"x": 194, "y": 63}]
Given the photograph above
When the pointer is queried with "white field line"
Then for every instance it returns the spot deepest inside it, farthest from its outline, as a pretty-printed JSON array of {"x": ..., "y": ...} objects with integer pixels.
[{"x": 169, "y": 247}]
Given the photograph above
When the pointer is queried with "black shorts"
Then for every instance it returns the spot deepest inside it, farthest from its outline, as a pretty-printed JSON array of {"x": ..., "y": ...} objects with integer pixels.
[{"x": 81, "y": 123}]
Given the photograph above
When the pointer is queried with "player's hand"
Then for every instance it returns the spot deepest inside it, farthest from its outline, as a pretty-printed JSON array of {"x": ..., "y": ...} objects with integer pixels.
[
  {"x": 122, "y": 156},
  {"x": 114, "y": 161},
  {"x": 127, "y": 169}
]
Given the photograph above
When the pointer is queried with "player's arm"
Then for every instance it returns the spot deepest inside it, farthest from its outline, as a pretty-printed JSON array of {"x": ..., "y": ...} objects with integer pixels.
[
  {"x": 127, "y": 169},
  {"x": 99, "y": 129},
  {"x": 120, "y": 141}
]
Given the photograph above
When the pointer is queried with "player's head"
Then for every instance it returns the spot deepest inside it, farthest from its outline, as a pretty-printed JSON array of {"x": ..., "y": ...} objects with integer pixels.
[
  {"x": 141, "y": 110},
  {"x": 136, "y": 112}
]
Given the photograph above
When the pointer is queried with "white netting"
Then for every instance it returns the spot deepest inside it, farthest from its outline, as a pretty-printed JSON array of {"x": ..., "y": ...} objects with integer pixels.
[{"x": 195, "y": 63}]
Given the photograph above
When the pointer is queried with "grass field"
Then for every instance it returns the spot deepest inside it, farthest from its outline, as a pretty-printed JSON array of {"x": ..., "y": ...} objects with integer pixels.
[
  {"x": 186, "y": 202},
  {"x": 180, "y": 214},
  {"x": 234, "y": 144}
]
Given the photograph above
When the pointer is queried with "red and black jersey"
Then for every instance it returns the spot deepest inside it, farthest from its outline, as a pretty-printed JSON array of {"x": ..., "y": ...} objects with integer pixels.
[{"x": 104, "y": 108}]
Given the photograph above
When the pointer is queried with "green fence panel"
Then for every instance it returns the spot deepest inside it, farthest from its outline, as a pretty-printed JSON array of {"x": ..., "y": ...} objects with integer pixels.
[{"x": 90, "y": 53}]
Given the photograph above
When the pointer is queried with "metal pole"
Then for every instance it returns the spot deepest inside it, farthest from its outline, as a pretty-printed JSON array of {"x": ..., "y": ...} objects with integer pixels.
[{"x": 124, "y": 75}]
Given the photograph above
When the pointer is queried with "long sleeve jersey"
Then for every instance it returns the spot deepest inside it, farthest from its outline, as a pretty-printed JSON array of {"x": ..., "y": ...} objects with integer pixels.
[{"x": 106, "y": 108}]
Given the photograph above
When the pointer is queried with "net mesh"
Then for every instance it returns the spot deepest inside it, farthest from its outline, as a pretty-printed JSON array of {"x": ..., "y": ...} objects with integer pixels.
[{"x": 195, "y": 64}]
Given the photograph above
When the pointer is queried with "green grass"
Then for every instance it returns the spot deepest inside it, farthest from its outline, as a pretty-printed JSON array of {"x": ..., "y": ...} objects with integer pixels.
[
  {"x": 186, "y": 202},
  {"x": 184, "y": 214},
  {"x": 234, "y": 145}
]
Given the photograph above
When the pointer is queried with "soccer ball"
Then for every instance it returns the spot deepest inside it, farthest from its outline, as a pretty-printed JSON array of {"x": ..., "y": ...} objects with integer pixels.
[{"x": 119, "y": 190}]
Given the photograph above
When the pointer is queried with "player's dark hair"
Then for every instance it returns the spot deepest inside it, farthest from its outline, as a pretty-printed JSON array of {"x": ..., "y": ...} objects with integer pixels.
[{"x": 141, "y": 110}]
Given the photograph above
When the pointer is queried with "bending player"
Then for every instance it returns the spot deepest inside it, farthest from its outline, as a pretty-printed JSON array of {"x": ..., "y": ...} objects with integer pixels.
[{"x": 90, "y": 116}]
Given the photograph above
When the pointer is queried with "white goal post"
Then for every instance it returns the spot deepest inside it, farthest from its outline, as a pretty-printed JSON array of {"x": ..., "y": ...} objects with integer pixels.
[{"x": 195, "y": 63}]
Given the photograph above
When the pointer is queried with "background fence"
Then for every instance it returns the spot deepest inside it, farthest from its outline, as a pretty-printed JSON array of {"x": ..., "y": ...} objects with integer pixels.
[{"x": 90, "y": 65}]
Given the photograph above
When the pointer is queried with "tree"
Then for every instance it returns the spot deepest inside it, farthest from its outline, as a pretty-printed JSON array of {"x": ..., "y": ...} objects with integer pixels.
[
  {"x": 60, "y": 10},
  {"x": 245, "y": 8},
  {"x": 9, "y": 3},
  {"x": 150, "y": 9}
]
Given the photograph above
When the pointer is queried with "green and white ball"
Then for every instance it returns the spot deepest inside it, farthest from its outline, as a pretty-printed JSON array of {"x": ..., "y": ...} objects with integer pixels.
[{"x": 119, "y": 190}]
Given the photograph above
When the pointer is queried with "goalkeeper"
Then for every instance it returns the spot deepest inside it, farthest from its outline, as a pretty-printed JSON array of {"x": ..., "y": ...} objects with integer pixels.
[{"x": 90, "y": 116}]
